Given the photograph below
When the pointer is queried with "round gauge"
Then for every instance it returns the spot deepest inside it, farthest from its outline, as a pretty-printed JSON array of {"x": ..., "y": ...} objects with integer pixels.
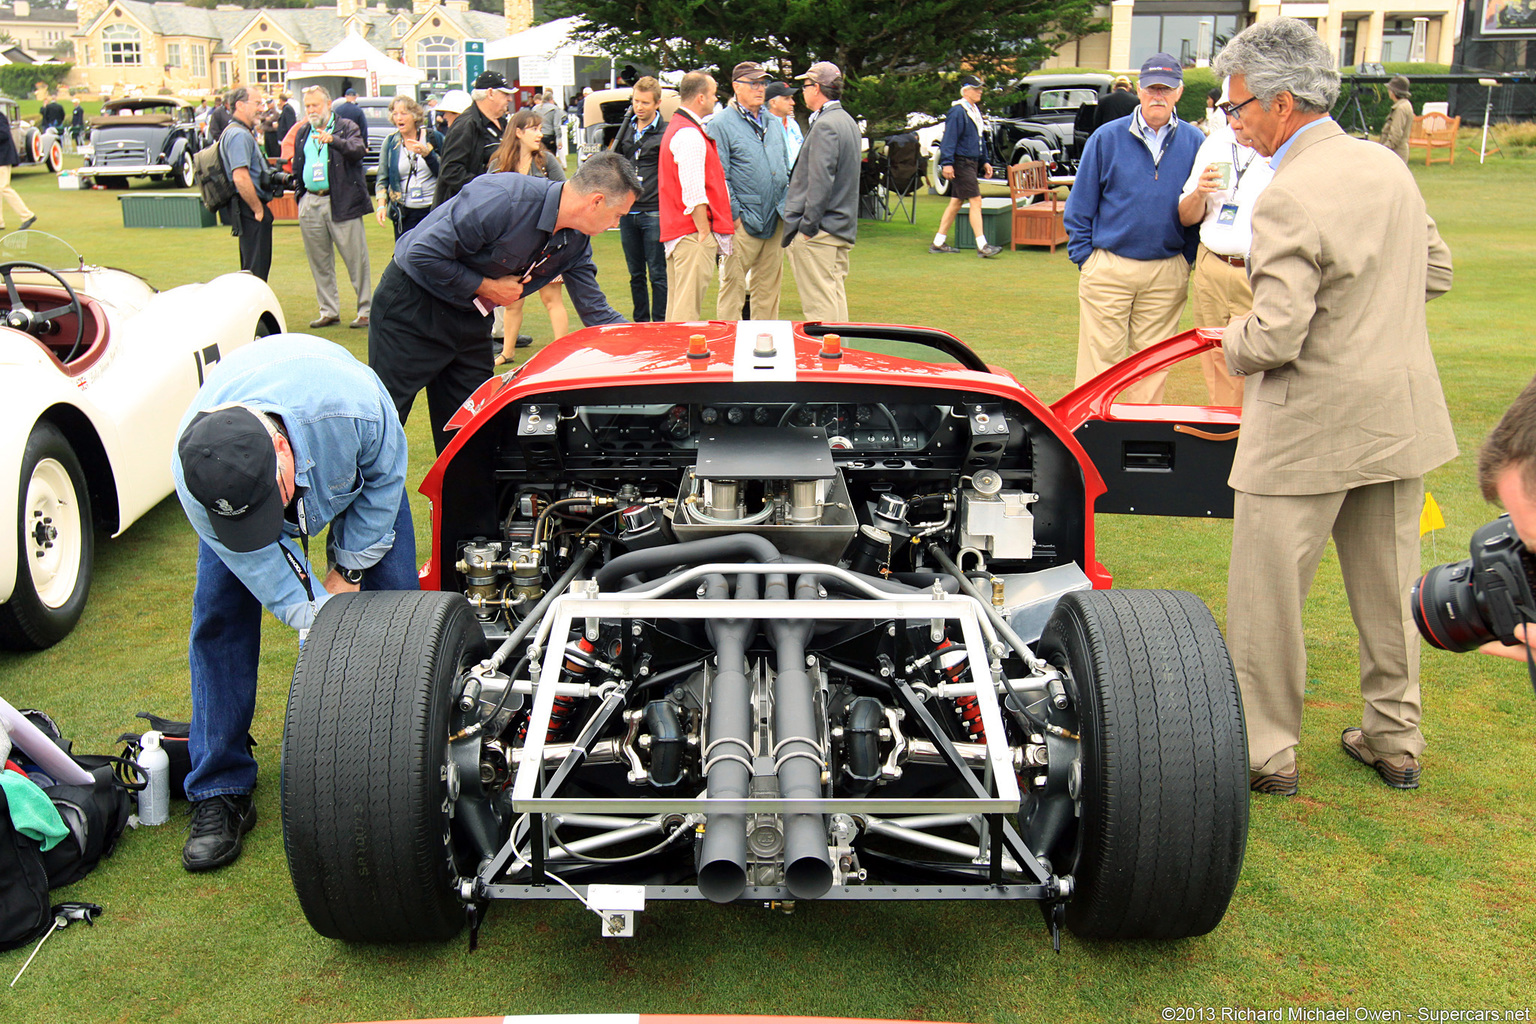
[
  {"x": 676, "y": 425},
  {"x": 805, "y": 416},
  {"x": 760, "y": 416},
  {"x": 709, "y": 414},
  {"x": 735, "y": 414},
  {"x": 864, "y": 413}
]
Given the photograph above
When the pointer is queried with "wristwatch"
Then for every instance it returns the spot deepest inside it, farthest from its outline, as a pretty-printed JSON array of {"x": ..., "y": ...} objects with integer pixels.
[{"x": 352, "y": 576}]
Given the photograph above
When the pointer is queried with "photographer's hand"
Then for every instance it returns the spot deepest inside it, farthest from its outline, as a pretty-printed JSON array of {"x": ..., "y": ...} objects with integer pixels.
[{"x": 1515, "y": 652}]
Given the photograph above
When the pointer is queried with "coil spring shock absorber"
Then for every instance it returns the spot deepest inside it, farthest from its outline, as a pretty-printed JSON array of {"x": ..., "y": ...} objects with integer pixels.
[
  {"x": 967, "y": 708},
  {"x": 564, "y": 707}
]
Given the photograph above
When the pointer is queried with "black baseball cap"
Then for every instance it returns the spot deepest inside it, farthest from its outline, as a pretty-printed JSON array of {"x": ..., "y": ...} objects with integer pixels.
[
  {"x": 493, "y": 80},
  {"x": 230, "y": 466},
  {"x": 777, "y": 89}
]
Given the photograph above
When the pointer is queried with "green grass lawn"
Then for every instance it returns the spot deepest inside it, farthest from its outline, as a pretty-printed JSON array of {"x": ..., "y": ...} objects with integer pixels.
[{"x": 1352, "y": 895}]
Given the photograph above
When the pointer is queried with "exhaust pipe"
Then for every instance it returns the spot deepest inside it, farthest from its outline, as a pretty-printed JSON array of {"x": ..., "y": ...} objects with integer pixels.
[
  {"x": 722, "y": 856},
  {"x": 800, "y": 760}
]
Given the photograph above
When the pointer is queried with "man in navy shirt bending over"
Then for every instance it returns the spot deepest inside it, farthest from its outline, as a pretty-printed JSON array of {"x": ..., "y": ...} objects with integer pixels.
[{"x": 502, "y": 237}]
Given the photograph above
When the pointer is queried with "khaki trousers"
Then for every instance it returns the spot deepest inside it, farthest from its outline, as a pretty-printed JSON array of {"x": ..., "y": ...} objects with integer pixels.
[
  {"x": 10, "y": 195},
  {"x": 690, "y": 268},
  {"x": 1220, "y": 292},
  {"x": 1124, "y": 306},
  {"x": 821, "y": 275},
  {"x": 1277, "y": 543},
  {"x": 763, "y": 258}
]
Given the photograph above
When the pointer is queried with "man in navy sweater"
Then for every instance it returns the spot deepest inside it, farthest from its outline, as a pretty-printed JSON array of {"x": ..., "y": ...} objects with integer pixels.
[{"x": 1122, "y": 222}]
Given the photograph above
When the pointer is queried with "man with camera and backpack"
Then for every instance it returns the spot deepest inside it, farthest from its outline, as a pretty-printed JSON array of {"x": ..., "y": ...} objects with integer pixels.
[{"x": 245, "y": 164}]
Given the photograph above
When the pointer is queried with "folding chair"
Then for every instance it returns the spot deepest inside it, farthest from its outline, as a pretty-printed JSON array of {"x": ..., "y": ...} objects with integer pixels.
[{"x": 905, "y": 167}]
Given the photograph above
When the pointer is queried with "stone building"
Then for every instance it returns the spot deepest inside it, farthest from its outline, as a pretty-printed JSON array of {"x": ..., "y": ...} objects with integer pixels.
[{"x": 129, "y": 45}]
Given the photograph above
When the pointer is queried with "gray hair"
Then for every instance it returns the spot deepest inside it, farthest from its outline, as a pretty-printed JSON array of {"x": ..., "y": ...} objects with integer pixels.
[
  {"x": 325, "y": 93},
  {"x": 608, "y": 174},
  {"x": 479, "y": 94},
  {"x": 1282, "y": 55}
]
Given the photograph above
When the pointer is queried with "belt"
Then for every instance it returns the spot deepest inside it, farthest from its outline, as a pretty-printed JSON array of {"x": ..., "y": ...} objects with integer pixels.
[
  {"x": 1236, "y": 261},
  {"x": 326, "y": 192}
]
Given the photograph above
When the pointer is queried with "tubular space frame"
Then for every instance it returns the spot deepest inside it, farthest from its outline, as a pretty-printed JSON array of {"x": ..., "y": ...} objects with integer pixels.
[{"x": 568, "y": 608}]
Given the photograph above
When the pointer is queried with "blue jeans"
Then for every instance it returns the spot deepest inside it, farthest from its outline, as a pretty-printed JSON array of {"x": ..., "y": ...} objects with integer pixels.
[
  {"x": 640, "y": 234},
  {"x": 223, "y": 653}
]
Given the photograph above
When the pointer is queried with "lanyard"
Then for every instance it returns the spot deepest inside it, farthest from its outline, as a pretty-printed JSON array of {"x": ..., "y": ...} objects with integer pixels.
[
  {"x": 300, "y": 569},
  {"x": 1238, "y": 170}
]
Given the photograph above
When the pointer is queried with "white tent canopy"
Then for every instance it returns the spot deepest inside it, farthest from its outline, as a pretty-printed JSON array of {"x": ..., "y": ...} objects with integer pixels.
[
  {"x": 352, "y": 49},
  {"x": 549, "y": 40}
]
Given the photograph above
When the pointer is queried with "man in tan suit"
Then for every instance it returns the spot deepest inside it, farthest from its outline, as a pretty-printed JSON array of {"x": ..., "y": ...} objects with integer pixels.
[{"x": 1343, "y": 412}]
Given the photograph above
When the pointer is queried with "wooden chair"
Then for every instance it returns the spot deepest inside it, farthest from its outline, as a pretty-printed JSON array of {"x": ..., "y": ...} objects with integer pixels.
[
  {"x": 1037, "y": 213},
  {"x": 1432, "y": 132}
]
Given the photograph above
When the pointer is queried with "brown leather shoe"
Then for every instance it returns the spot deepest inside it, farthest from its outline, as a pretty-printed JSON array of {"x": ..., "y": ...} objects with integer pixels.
[
  {"x": 1282, "y": 783},
  {"x": 1400, "y": 771}
]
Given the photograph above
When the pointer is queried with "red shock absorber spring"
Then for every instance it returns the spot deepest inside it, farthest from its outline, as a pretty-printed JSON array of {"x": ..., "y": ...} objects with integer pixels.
[
  {"x": 560, "y": 714},
  {"x": 968, "y": 709}
]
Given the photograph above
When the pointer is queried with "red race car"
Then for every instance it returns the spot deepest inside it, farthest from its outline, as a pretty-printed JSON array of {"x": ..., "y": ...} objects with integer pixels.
[{"x": 778, "y": 612}]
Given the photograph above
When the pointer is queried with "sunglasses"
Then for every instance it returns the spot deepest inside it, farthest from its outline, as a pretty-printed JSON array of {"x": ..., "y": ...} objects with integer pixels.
[{"x": 1231, "y": 110}]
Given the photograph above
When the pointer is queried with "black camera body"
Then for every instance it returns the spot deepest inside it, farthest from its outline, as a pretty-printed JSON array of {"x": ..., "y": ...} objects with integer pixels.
[
  {"x": 1462, "y": 605},
  {"x": 281, "y": 183}
]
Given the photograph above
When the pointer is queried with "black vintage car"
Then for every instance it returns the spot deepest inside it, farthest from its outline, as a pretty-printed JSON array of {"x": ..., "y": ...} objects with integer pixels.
[
  {"x": 1043, "y": 118},
  {"x": 151, "y": 137}
]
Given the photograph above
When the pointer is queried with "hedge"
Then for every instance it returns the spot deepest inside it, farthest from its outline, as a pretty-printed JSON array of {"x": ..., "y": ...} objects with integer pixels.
[{"x": 18, "y": 80}]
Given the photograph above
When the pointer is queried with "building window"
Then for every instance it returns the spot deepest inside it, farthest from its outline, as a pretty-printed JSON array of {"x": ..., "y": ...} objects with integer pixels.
[
  {"x": 400, "y": 28},
  {"x": 1349, "y": 34},
  {"x": 1192, "y": 38},
  {"x": 439, "y": 57},
  {"x": 120, "y": 45},
  {"x": 173, "y": 55},
  {"x": 1396, "y": 40},
  {"x": 223, "y": 74},
  {"x": 265, "y": 64},
  {"x": 199, "y": 60},
  {"x": 53, "y": 37}
]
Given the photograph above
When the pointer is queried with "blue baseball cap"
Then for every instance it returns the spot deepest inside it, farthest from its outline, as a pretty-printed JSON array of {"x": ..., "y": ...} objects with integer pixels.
[{"x": 1162, "y": 69}]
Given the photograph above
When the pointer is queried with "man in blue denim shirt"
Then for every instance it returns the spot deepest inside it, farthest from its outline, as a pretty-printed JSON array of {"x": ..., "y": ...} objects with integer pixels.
[
  {"x": 502, "y": 237},
  {"x": 288, "y": 435}
]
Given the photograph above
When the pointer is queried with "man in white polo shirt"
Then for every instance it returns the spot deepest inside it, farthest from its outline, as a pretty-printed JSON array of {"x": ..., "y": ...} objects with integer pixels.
[{"x": 1219, "y": 195}]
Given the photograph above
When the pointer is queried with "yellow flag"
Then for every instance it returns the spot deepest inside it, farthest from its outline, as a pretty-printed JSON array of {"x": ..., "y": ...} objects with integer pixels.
[{"x": 1430, "y": 518}]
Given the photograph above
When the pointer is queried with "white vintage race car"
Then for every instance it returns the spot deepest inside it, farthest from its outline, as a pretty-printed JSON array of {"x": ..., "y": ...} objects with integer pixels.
[{"x": 96, "y": 368}]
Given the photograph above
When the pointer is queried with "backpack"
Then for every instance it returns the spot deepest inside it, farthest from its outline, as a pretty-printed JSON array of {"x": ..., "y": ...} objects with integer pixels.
[
  {"x": 24, "y": 913},
  {"x": 212, "y": 179}
]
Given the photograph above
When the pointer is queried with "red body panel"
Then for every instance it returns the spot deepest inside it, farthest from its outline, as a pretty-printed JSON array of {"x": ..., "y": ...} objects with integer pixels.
[{"x": 623, "y": 355}]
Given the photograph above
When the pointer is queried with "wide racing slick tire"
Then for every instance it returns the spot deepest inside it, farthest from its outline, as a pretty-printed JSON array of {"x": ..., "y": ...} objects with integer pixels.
[
  {"x": 364, "y": 777},
  {"x": 55, "y": 545},
  {"x": 1164, "y": 784}
]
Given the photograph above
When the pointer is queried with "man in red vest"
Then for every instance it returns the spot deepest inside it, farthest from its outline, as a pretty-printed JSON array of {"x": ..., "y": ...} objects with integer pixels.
[{"x": 695, "y": 206}]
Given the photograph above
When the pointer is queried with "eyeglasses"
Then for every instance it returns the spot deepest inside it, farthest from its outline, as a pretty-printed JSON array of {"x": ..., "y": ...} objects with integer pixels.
[
  {"x": 750, "y": 84},
  {"x": 1231, "y": 110}
]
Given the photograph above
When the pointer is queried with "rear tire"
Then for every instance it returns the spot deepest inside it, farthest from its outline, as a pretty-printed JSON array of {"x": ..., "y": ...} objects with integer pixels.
[
  {"x": 1164, "y": 791},
  {"x": 365, "y": 796},
  {"x": 56, "y": 543},
  {"x": 55, "y": 157},
  {"x": 184, "y": 170}
]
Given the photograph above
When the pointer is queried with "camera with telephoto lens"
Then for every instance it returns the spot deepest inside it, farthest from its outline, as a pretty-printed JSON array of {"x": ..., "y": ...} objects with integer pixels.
[
  {"x": 280, "y": 183},
  {"x": 1463, "y": 605}
]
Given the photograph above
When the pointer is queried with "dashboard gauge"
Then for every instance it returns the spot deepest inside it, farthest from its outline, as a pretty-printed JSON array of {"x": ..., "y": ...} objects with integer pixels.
[
  {"x": 709, "y": 414},
  {"x": 735, "y": 414},
  {"x": 760, "y": 415}
]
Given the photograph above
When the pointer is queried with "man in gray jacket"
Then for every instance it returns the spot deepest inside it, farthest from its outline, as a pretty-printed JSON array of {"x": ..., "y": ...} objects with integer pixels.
[
  {"x": 821, "y": 213},
  {"x": 750, "y": 142}
]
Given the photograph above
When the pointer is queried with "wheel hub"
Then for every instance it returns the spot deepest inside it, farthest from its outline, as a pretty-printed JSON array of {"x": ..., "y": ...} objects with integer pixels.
[{"x": 54, "y": 535}]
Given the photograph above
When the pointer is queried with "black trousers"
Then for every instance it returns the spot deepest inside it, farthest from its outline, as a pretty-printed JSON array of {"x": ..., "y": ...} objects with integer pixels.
[
  {"x": 255, "y": 240},
  {"x": 416, "y": 340}
]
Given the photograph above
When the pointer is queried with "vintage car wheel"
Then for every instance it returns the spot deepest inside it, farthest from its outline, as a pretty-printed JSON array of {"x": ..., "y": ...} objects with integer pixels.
[
  {"x": 34, "y": 145},
  {"x": 1164, "y": 784},
  {"x": 55, "y": 545},
  {"x": 55, "y": 156},
  {"x": 184, "y": 170},
  {"x": 365, "y": 773}
]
